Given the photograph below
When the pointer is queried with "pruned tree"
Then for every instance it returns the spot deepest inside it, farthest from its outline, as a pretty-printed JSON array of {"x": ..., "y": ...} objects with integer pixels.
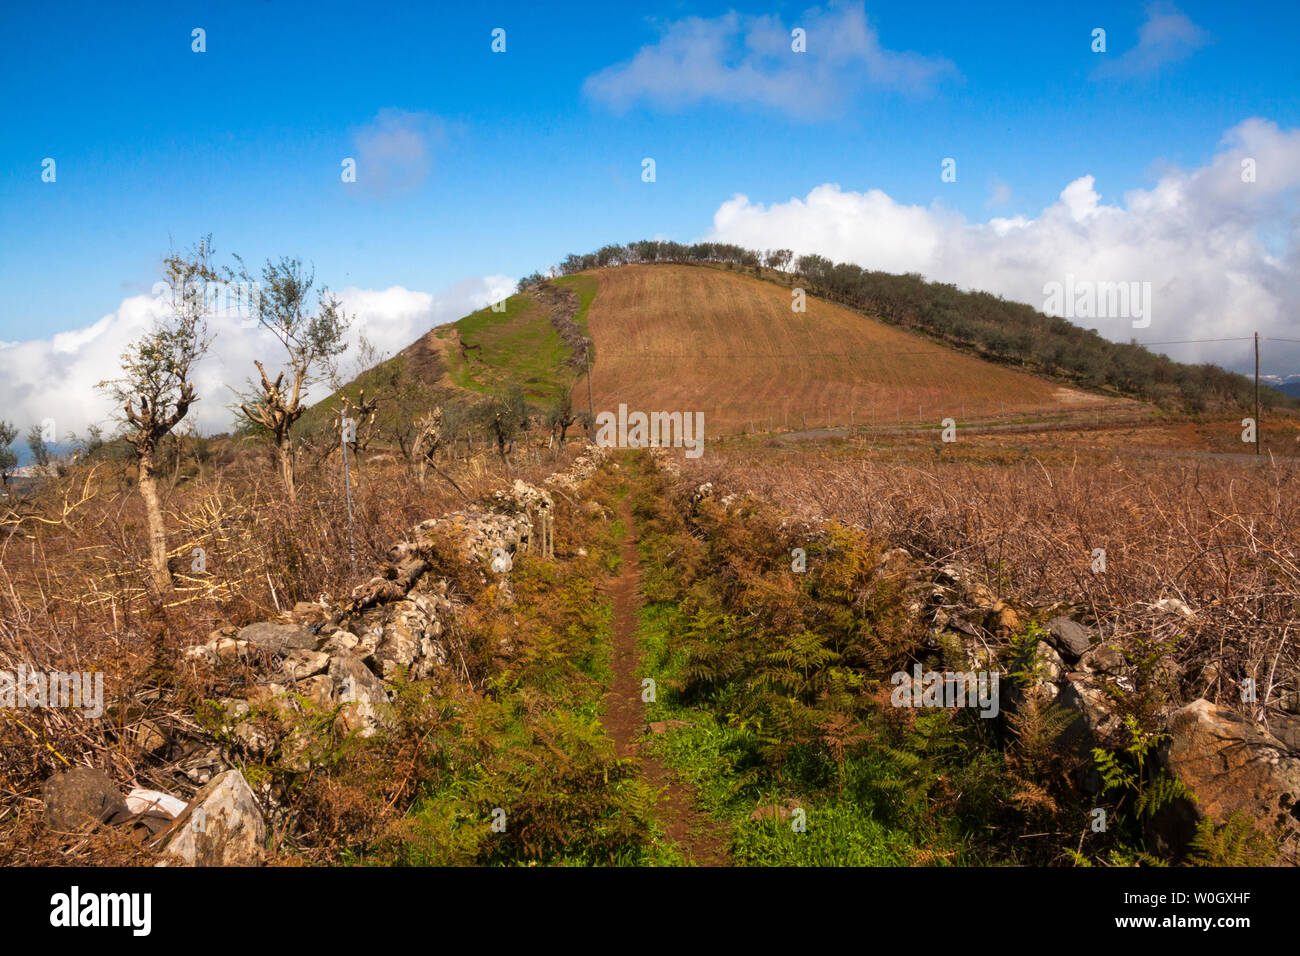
[
  {"x": 561, "y": 417},
  {"x": 155, "y": 390},
  {"x": 8, "y": 460},
  {"x": 428, "y": 439},
  {"x": 311, "y": 329},
  {"x": 507, "y": 416}
]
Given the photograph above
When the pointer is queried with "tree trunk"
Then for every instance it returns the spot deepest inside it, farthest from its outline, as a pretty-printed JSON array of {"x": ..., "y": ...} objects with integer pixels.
[
  {"x": 162, "y": 577},
  {"x": 284, "y": 448}
]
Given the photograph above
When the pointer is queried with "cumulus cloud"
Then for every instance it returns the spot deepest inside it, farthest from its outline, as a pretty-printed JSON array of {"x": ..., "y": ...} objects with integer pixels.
[
  {"x": 1166, "y": 36},
  {"x": 1222, "y": 255},
  {"x": 55, "y": 377},
  {"x": 395, "y": 151},
  {"x": 742, "y": 59}
]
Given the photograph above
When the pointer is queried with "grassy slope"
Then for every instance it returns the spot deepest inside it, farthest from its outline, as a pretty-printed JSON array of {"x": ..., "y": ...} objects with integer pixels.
[
  {"x": 671, "y": 337},
  {"x": 518, "y": 345}
]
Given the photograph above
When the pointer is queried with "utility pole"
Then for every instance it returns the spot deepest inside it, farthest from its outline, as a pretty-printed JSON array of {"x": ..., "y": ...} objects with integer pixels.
[
  {"x": 1258, "y": 436},
  {"x": 591, "y": 409}
]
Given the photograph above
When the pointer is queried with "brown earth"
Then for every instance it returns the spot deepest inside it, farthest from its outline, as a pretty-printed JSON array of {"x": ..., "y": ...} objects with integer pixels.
[
  {"x": 684, "y": 338},
  {"x": 701, "y": 840}
]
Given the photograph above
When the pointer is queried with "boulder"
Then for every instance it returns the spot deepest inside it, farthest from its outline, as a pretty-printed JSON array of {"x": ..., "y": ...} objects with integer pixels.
[
  {"x": 1097, "y": 724},
  {"x": 301, "y": 664},
  {"x": 278, "y": 638},
  {"x": 82, "y": 797},
  {"x": 360, "y": 692},
  {"x": 1071, "y": 638},
  {"x": 1232, "y": 765},
  {"x": 1286, "y": 728},
  {"x": 222, "y": 826}
]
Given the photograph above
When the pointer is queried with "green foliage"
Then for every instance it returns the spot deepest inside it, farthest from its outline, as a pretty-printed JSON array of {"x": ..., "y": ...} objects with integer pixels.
[
  {"x": 8, "y": 460},
  {"x": 1127, "y": 774},
  {"x": 1239, "y": 842}
]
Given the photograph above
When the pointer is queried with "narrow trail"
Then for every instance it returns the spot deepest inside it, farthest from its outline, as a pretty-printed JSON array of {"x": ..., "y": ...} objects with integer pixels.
[{"x": 699, "y": 839}]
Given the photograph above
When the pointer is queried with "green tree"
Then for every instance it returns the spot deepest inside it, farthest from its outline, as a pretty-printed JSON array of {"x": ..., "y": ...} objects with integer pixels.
[
  {"x": 8, "y": 460},
  {"x": 311, "y": 329},
  {"x": 155, "y": 390}
]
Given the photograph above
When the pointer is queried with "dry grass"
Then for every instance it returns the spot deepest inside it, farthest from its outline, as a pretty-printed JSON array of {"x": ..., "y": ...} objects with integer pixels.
[
  {"x": 1223, "y": 537},
  {"x": 671, "y": 337},
  {"x": 74, "y": 596}
]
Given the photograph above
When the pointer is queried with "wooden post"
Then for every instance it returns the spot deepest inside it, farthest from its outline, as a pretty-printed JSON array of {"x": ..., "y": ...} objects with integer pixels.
[{"x": 1258, "y": 427}]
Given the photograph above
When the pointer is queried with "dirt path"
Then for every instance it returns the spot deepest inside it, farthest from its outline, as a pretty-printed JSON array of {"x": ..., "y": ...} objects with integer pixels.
[{"x": 700, "y": 839}]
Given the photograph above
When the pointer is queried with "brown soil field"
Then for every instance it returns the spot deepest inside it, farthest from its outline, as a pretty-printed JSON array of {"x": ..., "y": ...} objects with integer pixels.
[{"x": 683, "y": 338}]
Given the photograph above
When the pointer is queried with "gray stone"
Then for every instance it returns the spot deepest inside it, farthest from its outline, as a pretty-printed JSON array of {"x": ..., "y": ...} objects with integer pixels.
[
  {"x": 278, "y": 638},
  {"x": 222, "y": 826},
  {"x": 360, "y": 692},
  {"x": 301, "y": 663},
  {"x": 1070, "y": 637}
]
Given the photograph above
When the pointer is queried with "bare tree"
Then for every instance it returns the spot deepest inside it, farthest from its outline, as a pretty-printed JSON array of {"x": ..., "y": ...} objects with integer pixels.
[
  {"x": 155, "y": 390},
  {"x": 428, "y": 440},
  {"x": 312, "y": 335}
]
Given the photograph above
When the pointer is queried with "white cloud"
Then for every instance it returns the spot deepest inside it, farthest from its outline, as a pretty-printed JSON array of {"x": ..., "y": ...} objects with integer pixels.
[
  {"x": 1166, "y": 36},
  {"x": 55, "y": 377},
  {"x": 743, "y": 59},
  {"x": 395, "y": 151},
  {"x": 1222, "y": 255}
]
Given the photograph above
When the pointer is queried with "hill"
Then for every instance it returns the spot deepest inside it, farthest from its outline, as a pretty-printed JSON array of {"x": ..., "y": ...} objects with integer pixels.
[{"x": 686, "y": 338}]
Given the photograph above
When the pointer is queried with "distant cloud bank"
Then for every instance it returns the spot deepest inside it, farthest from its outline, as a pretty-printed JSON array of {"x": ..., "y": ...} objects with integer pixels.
[
  {"x": 56, "y": 377},
  {"x": 1222, "y": 254}
]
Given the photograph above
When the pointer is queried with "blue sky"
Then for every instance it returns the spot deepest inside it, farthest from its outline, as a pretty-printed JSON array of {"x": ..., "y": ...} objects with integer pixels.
[{"x": 475, "y": 164}]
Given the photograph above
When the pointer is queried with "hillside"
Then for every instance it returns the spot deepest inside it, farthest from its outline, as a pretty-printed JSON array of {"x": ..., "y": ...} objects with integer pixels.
[{"x": 680, "y": 337}]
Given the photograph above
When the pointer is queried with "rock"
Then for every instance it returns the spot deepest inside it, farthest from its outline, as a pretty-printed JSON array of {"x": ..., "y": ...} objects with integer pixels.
[
  {"x": 663, "y": 726},
  {"x": 1286, "y": 728},
  {"x": 410, "y": 637},
  {"x": 319, "y": 690},
  {"x": 1232, "y": 765},
  {"x": 1004, "y": 618},
  {"x": 148, "y": 737},
  {"x": 222, "y": 826},
  {"x": 361, "y": 693},
  {"x": 301, "y": 663},
  {"x": 1070, "y": 637},
  {"x": 1105, "y": 659},
  {"x": 340, "y": 642},
  {"x": 1098, "y": 726},
  {"x": 1174, "y": 606},
  {"x": 309, "y": 615},
  {"x": 278, "y": 638},
  {"x": 80, "y": 798},
  {"x": 155, "y": 801}
]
